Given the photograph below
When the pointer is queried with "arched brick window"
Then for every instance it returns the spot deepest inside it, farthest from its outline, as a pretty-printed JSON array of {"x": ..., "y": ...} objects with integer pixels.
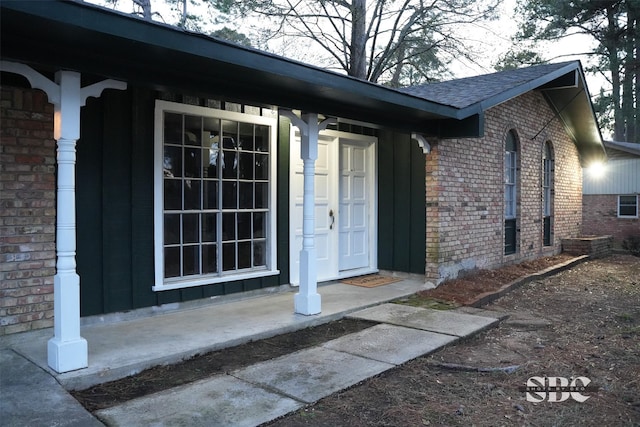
[
  {"x": 547, "y": 193},
  {"x": 511, "y": 184}
]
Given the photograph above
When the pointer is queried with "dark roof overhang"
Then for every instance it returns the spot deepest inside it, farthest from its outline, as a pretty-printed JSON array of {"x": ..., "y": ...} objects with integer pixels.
[
  {"x": 72, "y": 35},
  {"x": 569, "y": 97},
  {"x": 562, "y": 84},
  {"x": 622, "y": 149}
]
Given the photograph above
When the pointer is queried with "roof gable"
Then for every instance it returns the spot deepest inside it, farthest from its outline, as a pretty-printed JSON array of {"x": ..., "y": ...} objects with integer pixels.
[
  {"x": 562, "y": 84},
  {"x": 489, "y": 89}
]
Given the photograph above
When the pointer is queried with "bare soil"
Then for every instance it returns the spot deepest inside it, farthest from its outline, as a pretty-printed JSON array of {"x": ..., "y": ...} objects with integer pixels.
[
  {"x": 581, "y": 322},
  {"x": 217, "y": 362},
  {"x": 464, "y": 290}
]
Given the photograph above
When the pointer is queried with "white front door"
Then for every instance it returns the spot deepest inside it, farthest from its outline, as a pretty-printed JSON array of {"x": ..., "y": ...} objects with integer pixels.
[
  {"x": 354, "y": 206},
  {"x": 345, "y": 208}
]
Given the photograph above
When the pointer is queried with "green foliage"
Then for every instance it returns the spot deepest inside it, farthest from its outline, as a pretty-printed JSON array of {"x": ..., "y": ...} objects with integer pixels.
[
  {"x": 552, "y": 19},
  {"x": 518, "y": 58},
  {"x": 603, "y": 107},
  {"x": 632, "y": 244},
  {"x": 192, "y": 15},
  {"x": 615, "y": 26},
  {"x": 228, "y": 34}
]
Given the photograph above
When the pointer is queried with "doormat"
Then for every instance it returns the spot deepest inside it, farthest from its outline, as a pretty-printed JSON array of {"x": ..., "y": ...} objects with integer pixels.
[{"x": 370, "y": 281}]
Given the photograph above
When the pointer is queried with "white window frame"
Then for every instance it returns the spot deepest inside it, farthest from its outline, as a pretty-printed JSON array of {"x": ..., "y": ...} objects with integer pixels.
[
  {"x": 511, "y": 182},
  {"x": 547, "y": 166},
  {"x": 637, "y": 208},
  {"x": 162, "y": 283}
]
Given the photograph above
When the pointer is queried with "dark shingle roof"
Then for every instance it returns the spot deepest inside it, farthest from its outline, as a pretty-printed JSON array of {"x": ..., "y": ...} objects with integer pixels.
[
  {"x": 462, "y": 93},
  {"x": 622, "y": 149}
]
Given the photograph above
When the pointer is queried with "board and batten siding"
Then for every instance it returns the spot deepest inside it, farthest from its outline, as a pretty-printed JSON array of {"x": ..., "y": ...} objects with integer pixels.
[
  {"x": 620, "y": 177},
  {"x": 401, "y": 203},
  {"x": 115, "y": 209}
]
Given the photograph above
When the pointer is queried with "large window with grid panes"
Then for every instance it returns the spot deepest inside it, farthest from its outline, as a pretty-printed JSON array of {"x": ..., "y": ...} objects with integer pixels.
[{"x": 214, "y": 196}]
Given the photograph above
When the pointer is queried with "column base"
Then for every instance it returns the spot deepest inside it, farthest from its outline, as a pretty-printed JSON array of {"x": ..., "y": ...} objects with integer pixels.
[
  {"x": 65, "y": 356},
  {"x": 307, "y": 304}
]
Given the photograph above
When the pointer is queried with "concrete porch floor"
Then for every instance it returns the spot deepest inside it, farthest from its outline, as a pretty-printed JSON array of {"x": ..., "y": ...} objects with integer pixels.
[{"x": 123, "y": 348}]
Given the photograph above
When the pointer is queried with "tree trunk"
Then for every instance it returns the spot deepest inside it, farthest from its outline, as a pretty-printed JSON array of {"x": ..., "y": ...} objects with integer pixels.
[
  {"x": 358, "y": 57},
  {"x": 183, "y": 19},
  {"x": 635, "y": 12},
  {"x": 628, "y": 90},
  {"x": 145, "y": 5},
  {"x": 397, "y": 72},
  {"x": 609, "y": 43}
]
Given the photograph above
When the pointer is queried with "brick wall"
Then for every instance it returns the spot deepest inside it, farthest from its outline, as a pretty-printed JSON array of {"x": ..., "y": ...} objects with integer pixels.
[
  {"x": 465, "y": 191},
  {"x": 595, "y": 247},
  {"x": 27, "y": 210},
  {"x": 600, "y": 213}
]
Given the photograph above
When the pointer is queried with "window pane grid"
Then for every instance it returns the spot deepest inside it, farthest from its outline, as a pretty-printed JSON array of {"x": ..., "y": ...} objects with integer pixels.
[
  {"x": 547, "y": 200},
  {"x": 510, "y": 184},
  {"x": 216, "y": 195},
  {"x": 546, "y": 187},
  {"x": 628, "y": 206},
  {"x": 510, "y": 193}
]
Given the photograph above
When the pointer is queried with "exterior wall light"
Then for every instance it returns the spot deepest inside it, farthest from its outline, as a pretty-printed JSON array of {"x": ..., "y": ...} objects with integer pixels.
[{"x": 596, "y": 169}]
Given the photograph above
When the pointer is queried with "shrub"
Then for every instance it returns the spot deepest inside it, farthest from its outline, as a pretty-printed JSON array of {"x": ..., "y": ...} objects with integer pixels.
[{"x": 632, "y": 244}]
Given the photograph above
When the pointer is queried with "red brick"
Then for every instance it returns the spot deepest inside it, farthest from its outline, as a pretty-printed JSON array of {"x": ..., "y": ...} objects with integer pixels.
[
  {"x": 465, "y": 191},
  {"x": 27, "y": 210}
]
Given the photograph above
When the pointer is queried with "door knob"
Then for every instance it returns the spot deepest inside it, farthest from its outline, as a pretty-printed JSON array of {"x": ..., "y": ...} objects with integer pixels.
[{"x": 333, "y": 219}]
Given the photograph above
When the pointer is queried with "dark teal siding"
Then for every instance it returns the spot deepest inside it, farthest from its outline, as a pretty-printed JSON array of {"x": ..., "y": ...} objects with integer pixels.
[
  {"x": 89, "y": 207},
  {"x": 283, "y": 198},
  {"x": 116, "y": 201},
  {"x": 401, "y": 204},
  {"x": 142, "y": 260},
  {"x": 115, "y": 209}
]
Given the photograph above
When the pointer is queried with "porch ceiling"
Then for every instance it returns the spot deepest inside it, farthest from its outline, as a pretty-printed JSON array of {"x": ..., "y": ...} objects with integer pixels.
[{"x": 76, "y": 36}]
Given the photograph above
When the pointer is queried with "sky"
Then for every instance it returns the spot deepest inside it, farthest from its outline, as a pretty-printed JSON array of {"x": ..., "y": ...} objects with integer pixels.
[{"x": 490, "y": 41}]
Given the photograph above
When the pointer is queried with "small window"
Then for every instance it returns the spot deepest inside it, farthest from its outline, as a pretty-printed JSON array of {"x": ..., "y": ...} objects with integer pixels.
[{"x": 628, "y": 206}]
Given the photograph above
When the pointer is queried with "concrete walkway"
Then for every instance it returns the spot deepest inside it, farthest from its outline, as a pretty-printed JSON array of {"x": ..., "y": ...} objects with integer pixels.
[
  {"x": 249, "y": 396},
  {"x": 31, "y": 397}
]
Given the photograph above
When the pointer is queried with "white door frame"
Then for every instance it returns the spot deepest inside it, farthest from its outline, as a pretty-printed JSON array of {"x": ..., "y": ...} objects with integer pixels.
[{"x": 372, "y": 186}]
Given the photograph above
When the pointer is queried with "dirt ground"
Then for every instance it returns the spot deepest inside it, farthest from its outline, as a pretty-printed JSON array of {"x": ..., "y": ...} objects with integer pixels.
[{"x": 582, "y": 322}]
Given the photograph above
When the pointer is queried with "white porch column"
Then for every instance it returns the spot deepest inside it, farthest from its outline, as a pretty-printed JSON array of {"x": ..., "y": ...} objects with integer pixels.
[
  {"x": 67, "y": 350},
  {"x": 308, "y": 301}
]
